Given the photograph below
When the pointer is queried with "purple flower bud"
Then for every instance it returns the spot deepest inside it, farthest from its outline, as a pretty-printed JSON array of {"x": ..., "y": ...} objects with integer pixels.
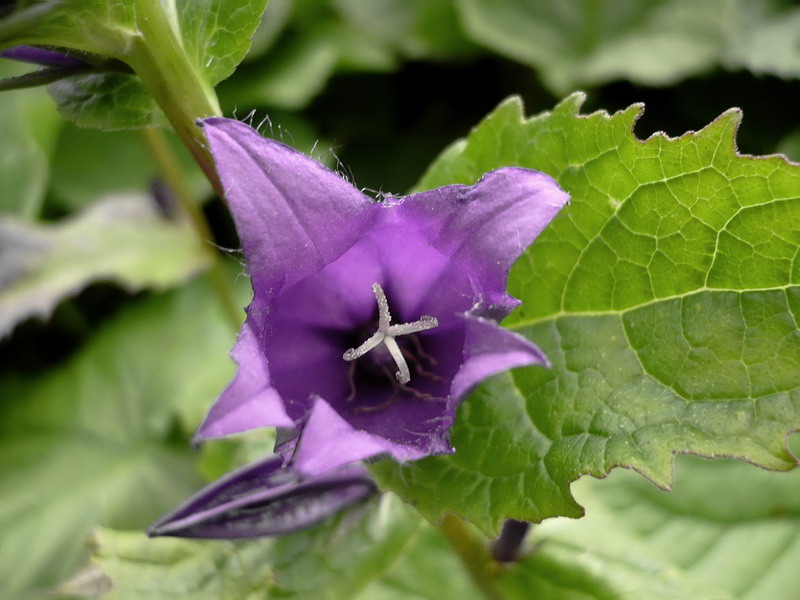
[
  {"x": 41, "y": 56},
  {"x": 370, "y": 321},
  {"x": 264, "y": 499}
]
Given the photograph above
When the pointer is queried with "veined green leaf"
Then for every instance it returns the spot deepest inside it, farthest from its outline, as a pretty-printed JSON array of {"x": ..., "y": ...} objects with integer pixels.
[
  {"x": 214, "y": 35},
  {"x": 138, "y": 568},
  {"x": 667, "y": 297}
]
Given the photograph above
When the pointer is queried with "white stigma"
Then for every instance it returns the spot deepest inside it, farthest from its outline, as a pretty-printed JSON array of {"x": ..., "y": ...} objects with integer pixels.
[{"x": 386, "y": 334}]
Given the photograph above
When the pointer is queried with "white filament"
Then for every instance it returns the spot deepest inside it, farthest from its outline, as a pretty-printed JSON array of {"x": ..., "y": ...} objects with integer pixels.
[{"x": 386, "y": 334}]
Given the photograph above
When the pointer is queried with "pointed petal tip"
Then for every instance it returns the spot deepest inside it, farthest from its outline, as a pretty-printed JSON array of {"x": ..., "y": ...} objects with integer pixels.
[
  {"x": 328, "y": 442},
  {"x": 490, "y": 349},
  {"x": 264, "y": 499}
]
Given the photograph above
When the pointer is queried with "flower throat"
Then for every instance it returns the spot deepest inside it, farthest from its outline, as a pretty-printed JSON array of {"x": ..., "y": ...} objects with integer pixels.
[{"x": 386, "y": 334}]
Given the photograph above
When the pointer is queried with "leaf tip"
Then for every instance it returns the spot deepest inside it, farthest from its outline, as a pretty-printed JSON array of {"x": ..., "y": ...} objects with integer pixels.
[{"x": 571, "y": 105}]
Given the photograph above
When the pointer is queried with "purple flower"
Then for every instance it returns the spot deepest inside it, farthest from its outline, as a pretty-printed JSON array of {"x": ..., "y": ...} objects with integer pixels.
[
  {"x": 370, "y": 320},
  {"x": 264, "y": 499}
]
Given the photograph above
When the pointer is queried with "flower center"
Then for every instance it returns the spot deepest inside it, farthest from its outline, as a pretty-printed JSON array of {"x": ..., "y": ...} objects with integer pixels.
[{"x": 386, "y": 334}]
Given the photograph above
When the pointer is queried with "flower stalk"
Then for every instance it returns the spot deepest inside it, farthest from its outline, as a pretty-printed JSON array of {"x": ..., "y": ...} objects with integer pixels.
[
  {"x": 508, "y": 547},
  {"x": 473, "y": 554},
  {"x": 160, "y": 61}
]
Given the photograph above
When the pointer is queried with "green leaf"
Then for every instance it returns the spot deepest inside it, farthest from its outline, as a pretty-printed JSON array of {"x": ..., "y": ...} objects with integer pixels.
[
  {"x": 109, "y": 101},
  {"x": 339, "y": 558},
  {"x": 94, "y": 441},
  {"x": 725, "y": 531},
  {"x": 765, "y": 40},
  {"x": 414, "y": 28},
  {"x": 654, "y": 43},
  {"x": 427, "y": 569},
  {"x": 666, "y": 296},
  {"x": 139, "y": 568},
  {"x": 208, "y": 39},
  {"x": 29, "y": 125},
  {"x": 99, "y": 26},
  {"x": 295, "y": 74},
  {"x": 216, "y": 33},
  {"x": 121, "y": 238},
  {"x": 81, "y": 171},
  {"x": 334, "y": 561},
  {"x": 347, "y": 35}
]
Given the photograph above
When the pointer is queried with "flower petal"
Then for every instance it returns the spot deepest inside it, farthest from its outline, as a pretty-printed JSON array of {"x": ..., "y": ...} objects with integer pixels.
[
  {"x": 487, "y": 226},
  {"x": 250, "y": 400},
  {"x": 328, "y": 442},
  {"x": 293, "y": 215},
  {"x": 264, "y": 499},
  {"x": 489, "y": 349}
]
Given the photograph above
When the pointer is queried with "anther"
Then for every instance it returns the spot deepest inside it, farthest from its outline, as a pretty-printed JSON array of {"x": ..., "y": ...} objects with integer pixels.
[{"x": 386, "y": 334}]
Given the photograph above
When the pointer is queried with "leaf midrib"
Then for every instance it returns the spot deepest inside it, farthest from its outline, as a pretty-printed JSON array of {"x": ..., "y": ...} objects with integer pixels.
[{"x": 517, "y": 325}]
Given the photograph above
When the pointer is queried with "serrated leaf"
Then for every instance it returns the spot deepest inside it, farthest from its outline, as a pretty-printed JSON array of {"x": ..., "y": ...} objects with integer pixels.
[
  {"x": 94, "y": 440},
  {"x": 654, "y": 43},
  {"x": 666, "y": 297},
  {"x": 121, "y": 238},
  {"x": 725, "y": 531}
]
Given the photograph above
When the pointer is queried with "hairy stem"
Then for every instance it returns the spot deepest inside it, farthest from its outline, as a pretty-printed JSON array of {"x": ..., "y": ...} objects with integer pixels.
[
  {"x": 181, "y": 92},
  {"x": 473, "y": 554},
  {"x": 173, "y": 177}
]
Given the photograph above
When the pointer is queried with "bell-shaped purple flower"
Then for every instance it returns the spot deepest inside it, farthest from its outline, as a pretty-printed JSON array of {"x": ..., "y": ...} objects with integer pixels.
[
  {"x": 370, "y": 320},
  {"x": 264, "y": 499}
]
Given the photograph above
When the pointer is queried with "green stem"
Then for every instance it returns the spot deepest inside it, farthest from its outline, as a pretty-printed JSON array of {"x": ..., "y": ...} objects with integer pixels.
[
  {"x": 182, "y": 93},
  {"x": 173, "y": 177},
  {"x": 473, "y": 554}
]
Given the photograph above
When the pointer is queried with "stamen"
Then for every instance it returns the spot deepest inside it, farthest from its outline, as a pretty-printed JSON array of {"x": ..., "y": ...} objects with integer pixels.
[
  {"x": 384, "y": 316},
  {"x": 420, "y": 351},
  {"x": 403, "y": 375},
  {"x": 418, "y": 368},
  {"x": 422, "y": 324},
  {"x": 354, "y": 353},
  {"x": 351, "y": 382},
  {"x": 386, "y": 334}
]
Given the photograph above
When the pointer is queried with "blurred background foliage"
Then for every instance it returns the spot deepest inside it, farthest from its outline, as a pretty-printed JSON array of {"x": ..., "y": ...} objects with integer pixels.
[{"x": 111, "y": 347}]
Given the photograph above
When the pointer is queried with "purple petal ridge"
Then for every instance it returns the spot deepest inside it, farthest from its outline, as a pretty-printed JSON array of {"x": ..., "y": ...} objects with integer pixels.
[
  {"x": 264, "y": 499},
  {"x": 328, "y": 442}
]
